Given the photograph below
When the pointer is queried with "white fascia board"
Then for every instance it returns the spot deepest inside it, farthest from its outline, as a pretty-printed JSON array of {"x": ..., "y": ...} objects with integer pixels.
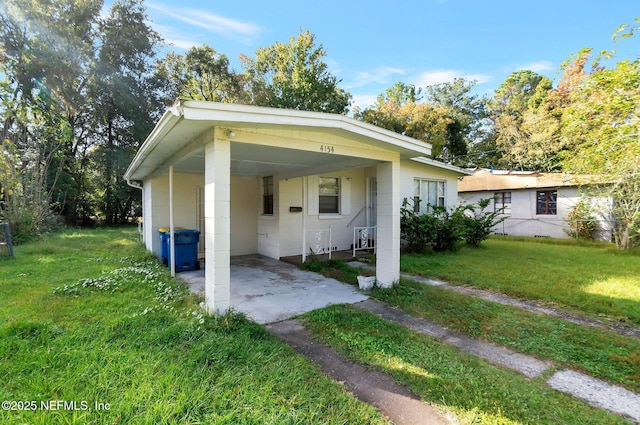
[
  {"x": 167, "y": 122},
  {"x": 438, "y": 164},
  {"x": 229, "y": 114}
]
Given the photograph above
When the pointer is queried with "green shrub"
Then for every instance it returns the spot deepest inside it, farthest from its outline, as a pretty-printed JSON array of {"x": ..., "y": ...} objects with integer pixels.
[
  {"x": 581, "y": 221},
  {"x": 443, "y": 229},
  {"x": 479, "y": 225}
]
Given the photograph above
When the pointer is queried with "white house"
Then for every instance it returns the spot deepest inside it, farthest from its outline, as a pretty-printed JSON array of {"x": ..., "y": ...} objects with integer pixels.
[
  {"x": 535, "y": 204},
  {"x": 280, "y": 183}
]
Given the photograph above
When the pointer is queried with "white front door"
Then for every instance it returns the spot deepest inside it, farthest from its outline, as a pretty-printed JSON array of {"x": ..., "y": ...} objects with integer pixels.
[{"x": 372, "y": 200}]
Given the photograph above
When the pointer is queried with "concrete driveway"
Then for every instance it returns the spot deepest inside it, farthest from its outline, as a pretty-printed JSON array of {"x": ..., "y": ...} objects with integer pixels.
[{"x": 269, "y": 290}]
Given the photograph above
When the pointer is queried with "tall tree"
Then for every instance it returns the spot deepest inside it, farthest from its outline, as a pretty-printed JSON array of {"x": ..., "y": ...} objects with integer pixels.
[
  {"x": 400, "y": 94},
  {"x": 603, "y": 124},
  {"x": 422, "y": 121},
  {"x": 294, "y": 76},
  {"x": 46, "y": 54},
  {"x": 468, "y": 114},
  {"x": 521, "y": 91},
  {"x": 445, "y": 117},
  {"x": 201, "y": 74},
  {"x": 124, "y": 96}
]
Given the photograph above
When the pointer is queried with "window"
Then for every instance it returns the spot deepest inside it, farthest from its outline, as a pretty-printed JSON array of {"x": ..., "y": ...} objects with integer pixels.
[
  {"x": 329, "y": 200},
  {"x": 547, "y": 201},
  {"x": 502, "y": 200},
  {"x": 267, "y": 195},
  {"x": 428, "y": 194}
]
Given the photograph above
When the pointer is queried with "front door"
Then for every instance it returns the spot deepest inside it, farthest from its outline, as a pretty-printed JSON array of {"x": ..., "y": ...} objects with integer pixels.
[{"x": 372, "y": 201}]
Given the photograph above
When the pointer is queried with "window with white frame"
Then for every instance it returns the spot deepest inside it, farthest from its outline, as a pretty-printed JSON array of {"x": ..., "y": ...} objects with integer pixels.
[
  {"x": 267, "y": 195},
  {"x": 502, "y": 200},
  {"x": 329, "y": 195},
  {"x": 428, "y": 194}
]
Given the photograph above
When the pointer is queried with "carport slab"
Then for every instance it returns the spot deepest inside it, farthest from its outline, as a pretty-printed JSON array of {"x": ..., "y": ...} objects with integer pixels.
[{"x": 269, "y": 290}]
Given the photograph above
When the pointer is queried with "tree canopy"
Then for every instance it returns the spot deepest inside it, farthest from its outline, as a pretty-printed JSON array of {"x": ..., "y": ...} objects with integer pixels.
[
  {"x": 447, "y": 116},
  {"x": 294, "y": 76},
  {"x": 81, "y": 89}
]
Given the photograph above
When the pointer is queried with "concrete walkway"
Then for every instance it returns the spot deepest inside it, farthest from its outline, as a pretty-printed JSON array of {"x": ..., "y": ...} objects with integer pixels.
[
  {"x": 269, "y": 291},
  {"x": 595, "y": 392},
  {"x": 373, "y": 387},
  {"x": 527, "y": 305}
]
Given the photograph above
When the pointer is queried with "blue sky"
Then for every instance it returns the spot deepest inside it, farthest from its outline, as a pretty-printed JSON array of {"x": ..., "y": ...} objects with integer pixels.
[{"x": 373, "y": 44}]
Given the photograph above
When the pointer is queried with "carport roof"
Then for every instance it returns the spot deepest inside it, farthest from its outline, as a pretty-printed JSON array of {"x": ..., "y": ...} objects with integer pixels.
[{"x": 186, "y": 121}]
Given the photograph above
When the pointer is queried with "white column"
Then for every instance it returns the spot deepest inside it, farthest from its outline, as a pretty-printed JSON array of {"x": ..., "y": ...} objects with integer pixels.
[
  {"x": 304, "y": 218},
  {"x": 150, "y": 238},
  {"x": 388, "y": 222},
  {"x": 172, "y": 239},
  {"x": 217, "y": 196}
]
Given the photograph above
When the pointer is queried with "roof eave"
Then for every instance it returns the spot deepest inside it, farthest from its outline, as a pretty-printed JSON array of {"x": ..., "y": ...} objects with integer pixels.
[
  {"x": 442, "y": 165},
  {"x": 226, "y": 112},
  {"x": 168, "y": 121}
]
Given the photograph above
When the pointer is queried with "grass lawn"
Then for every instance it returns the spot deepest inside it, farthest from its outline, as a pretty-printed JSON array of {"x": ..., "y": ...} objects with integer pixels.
[
  {"x": 592, "y": 280},
  {"x": 94, "y": 331},
  {"x": 600, "y": 353},
  {"x": 462, "y": 385}
]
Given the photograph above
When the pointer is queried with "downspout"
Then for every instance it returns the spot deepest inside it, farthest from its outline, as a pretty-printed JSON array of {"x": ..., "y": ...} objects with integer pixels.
[
  {"x": 134, "y": 184},
  {"x": 140, "y": 223}
]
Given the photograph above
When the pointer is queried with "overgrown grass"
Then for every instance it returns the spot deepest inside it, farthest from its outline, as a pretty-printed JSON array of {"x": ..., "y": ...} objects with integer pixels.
[
  {"x": 591, "y": 279},
  {"x": 89, "y": 317},
  {"x": 336, "y": 269},
  {"x": 457, "y": 383}
]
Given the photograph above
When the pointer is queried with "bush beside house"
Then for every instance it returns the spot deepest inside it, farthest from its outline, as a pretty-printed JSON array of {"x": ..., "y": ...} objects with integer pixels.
[{"x": 442, "y": 229}]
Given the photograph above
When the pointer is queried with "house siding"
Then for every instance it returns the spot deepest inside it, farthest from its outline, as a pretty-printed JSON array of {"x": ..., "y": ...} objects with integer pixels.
[
  {"x": 280, "y": 234},
  {"x": 524, "y": 221},
  {"x": 341, "y": 224},
  {"x": 156, "y": 207}
]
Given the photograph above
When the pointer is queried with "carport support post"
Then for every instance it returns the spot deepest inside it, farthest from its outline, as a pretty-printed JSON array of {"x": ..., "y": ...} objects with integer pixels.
[
  {"x": 172, "y": 239},
  {"x": 388, "y": 223},
  {"x": 217, "y": 205}
]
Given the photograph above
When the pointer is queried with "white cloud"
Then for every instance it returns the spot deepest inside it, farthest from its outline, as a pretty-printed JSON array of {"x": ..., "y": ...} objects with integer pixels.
[
  {"x": 183, "y": 44},
  {"x": 429, "y": 78},
  {"x": 363, "y": 100},
  {"x": 541, "y": 66},
  {"x": 380, "y": 75},
  {"x": 230, "y": 28},
  {"x": 174, "y": 37}
]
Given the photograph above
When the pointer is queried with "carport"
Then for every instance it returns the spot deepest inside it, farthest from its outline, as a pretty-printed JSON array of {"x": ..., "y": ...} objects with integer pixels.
[
  {"x": 220, "y": 142},
  {"x": 269, "y": 290}
]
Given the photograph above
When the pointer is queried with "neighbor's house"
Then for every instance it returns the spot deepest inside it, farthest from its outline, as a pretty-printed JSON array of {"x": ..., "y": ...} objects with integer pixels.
[
  {"x": 535, "y": 204},
  {"x": 277, "y": 182}
]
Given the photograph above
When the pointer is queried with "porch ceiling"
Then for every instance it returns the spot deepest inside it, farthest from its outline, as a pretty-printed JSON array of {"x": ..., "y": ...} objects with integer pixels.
[{"x": 252, "y": 160}]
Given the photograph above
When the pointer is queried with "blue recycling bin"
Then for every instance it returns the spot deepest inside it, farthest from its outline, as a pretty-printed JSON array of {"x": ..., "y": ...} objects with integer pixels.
[{"x": 186, "y": 248}]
